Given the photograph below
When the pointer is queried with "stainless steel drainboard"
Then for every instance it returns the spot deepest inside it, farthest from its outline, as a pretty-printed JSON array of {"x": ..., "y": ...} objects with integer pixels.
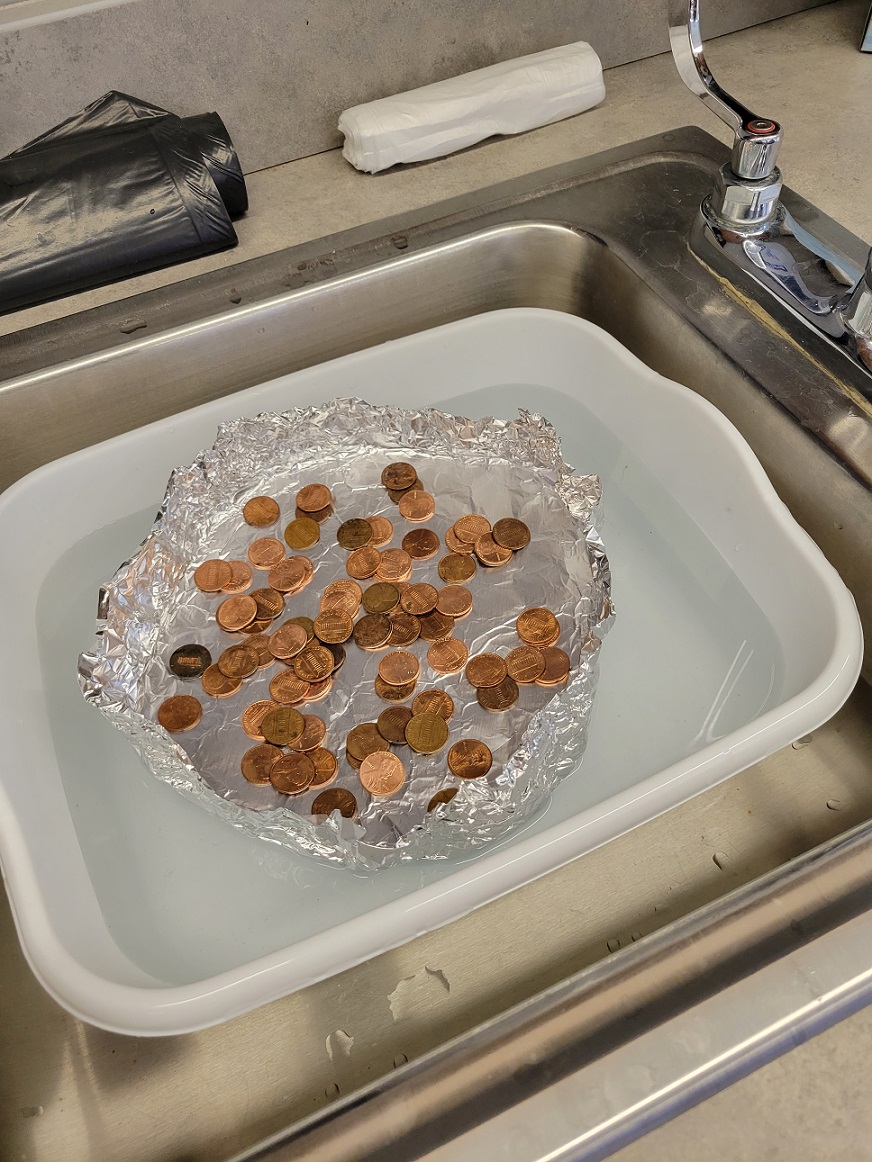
[{"x": 604, "y": 238}]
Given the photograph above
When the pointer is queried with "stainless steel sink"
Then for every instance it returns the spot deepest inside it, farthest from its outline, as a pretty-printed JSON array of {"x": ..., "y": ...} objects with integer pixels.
[{"x": 605, "y": 238}]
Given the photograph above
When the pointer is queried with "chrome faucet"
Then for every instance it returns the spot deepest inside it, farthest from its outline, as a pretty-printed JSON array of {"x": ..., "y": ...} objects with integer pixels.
[{"x": 744, "y": 221}]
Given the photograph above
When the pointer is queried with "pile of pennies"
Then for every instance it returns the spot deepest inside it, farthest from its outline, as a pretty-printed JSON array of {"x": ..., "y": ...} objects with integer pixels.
[{"x": 376, "y": 607}]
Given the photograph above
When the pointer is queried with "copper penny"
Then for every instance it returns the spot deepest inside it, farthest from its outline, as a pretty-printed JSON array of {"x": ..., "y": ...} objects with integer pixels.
[
  {"x": 282, "y": 726},
  {"x": 257, "y": 626},
  {"x": 319, "y": 515},
  {"x": 448, "y": 656},
  {"x": 313, "y": 497},
  {"x": 372, "y": 631},
  {"x": 442, "y": 797},
  {"x": 234, "y": 613},
  {"x": 419, "y": 598},
  {"x": 557, "y": 666},
  {"x": 292, "y": 774},
  {"x": 421, "y": 544},
  {"x": 470, "y": 759},
  {"x": 397, "y": 494},
  {"x": 257, "y": 763},
  {"x": 240, "y": 577},
  {"x": 381, "y": 597},
  {"x": 365, "y": 739},
  {"x": 525, "y": 664},
  {"x": 394, "y": 565},
  {"x": 392, "y": 723},
  {"x": 287, "y": 688},
  {"x": 538, "y": 627},
  {"x": 492, "y": 554},
  {"x": 314, "y": 731},
  {"x": 261, "y": 511},
  {"x": 434, "y": 702},
  {"x": 454, "y": 601},
  {"x": 259, "y": 642},
  {"x": 326, "y": 767},
  {"x": 456, "y": 545},
  {"x": 319, "y": 690},
  {"x": 332, "y": 626},
  {"x": 382, "y": 530},
  {"x": 469, "y": 528},
  {"x": 485, "y": 670},
  {"x": 218, "y": 685},
  {"x": 511, "y": 533},
  {"x": 382, "y": 774},
  {"x": 189, "y": 661},
  {"x": 179, "y": 713},
  {"x": 302, "y": 533},
  {"x": 238, "y": 662},
  {"x": 389, "y": 693},
  {"x": 287, "y": 641},
  {"x": 399, "y": 475},
  {"x": 405, "y": 628},
  {"x": 335, "y": 799},
  {"x": 498, "y": 698},
  {"x": 212, "y": 576},
  {"x": 426, "y": 733},
  {"x": 305, "y": 623},
  {"x": 344, "y": 595},
  {"x": 266, "y": 552},
  {"x": 338, "y": 652},
  {"x": 362, "y": 563},
  {"x": 352, "y": 761},
  {"x": 456, "y": 567},
  {"x": 313, "y": 663},
  {"x": 270, "y": 603},
  {"x": 354, "y": 533},
  {"x": 253, "y": 716},
  {"x": 435, "y": 626},
  {"x": 289, "y": 575},
  {"x": 399, "y": 667},
  {"x": 417, "y": 506}
]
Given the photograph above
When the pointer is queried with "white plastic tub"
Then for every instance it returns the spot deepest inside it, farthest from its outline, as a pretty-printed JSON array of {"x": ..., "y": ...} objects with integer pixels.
[{"x": 142, "y": 913}]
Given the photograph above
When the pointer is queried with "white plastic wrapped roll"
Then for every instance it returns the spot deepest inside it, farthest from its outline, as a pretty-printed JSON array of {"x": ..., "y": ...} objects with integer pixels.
[{"x": 506, "y": 98}]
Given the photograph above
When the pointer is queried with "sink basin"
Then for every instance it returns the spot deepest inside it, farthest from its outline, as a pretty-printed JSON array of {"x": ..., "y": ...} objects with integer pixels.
[{"x": 606, "y": 239}]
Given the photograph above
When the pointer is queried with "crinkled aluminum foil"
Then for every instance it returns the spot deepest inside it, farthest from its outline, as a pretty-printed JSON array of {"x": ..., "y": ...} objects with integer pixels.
[{"x": 492, "y": 466}]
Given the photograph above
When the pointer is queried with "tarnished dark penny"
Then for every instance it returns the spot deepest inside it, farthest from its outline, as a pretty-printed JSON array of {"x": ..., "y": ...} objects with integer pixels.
[
  {"x": 392, "y": 722},
  {"x": 326, "y": 767},
  {"x": 333, "y": 626},
  {"x": 448, "y": 656},
  {"x": 265, "y": 552},
  {"x": 421, "y": 544},
  {"x": 257, "y": 763},
  {"x": 287, "y": 688},
  {"x": 302, "y": 533},
  {"x": 419, "y": 598},
  {"x": 426, "y": 733},
  {"x": 511, "y": 533},
  {"x": 434, "y": 702},
  {"x": 270, "y": 603},
  {"x": 382, "y": 774},
  {"x": 364, "y": 739},
  {"x": 261, "y": 511},
  {"x": 456, "y": 545},
  {"x": 470, "y": 759},
  {"x": 354, "y": 533},
  {"x": 456, "y": 568},
  {"x": 389, "y": 693},
  {"x": 441, "y": 797},
  {"x": 218, "y": 685},
  {"x": 498, "y": 698},
  {"x": 399, "y": 475},
  {"x": 338, "y": 652},
  {"x": 399, "y": 667},
  {"x": 435, "y": 626},
  {"x": 335, "y": 799},
  {"x": 287, "y": 641},
  {"x": 397, "y": 494},
  {"x": 405, "y": 628},
  {"x": 238, "y": 662},
  {"x": 454, "y": 601},
  {"x": 319, "y": 514},
  {"x": 314, "y": 731},
  {"x": 289, "y": 575},
  {"x": 372, "y": 631},
  {"x": 240, "y": 577},
  {"x": 469, "y": 528},
  {"x": 212, "y": 575},
  {"x": 189, "y": 661},
  {"x": 314, "y": 497},
  {"x": 525, "y": 664},
  {"x": 253, "y": 716},
  {"x": 382, "y": 530},
  {"x": 292, "y": 774},
  {"x": 363, "y": 563},
  {"x": 313, "y": 663},
  {"x": 538, "y": 627},
  {"x": 394, "y": 565},
  {"x": 381, "y": 597},
  {"x": 234, "y": 613},
  {"x": 491, "y": 554},
  {"x": 557, "y": 667},
  {"x": 417, "y": 506},
  {"x": 282, "y": 726},
  {"x": 305, "y": 623},
  {"x": 352, "y": 761},
  {"x": 485, "y": 670},
  {"x": 259, "y": 642},
  {"x": 179, "y": 713}
]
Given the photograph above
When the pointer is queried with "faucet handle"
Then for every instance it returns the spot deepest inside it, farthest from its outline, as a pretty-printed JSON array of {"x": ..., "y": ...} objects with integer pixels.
[{"x": 756, "y": 140}]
